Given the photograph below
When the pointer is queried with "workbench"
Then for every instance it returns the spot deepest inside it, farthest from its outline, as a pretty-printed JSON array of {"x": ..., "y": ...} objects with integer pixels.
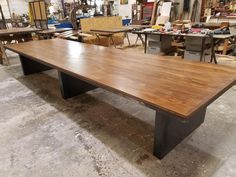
[
  {"x": 177, "y": 90},
  {"x": 215, "y": 38},
  {"x": 16, "y": 35}
]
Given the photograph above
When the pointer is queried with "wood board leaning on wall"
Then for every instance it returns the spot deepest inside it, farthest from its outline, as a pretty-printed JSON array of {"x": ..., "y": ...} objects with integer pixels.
[
  {"x": 102, "y": 23},
  {"x": 38, "y": 14}
]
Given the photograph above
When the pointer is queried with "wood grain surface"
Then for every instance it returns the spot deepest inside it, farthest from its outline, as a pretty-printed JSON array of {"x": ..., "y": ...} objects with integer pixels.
[{"x": 177, "y": 86}]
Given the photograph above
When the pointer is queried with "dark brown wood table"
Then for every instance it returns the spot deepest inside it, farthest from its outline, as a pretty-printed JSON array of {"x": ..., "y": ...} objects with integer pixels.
[
  {"x": 17, "y": 34},
  {"x": 178, "y": 90}
]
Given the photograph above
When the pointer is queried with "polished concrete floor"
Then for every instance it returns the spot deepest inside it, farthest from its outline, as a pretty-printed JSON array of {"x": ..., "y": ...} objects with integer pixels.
[{"x": 102, "y": 134}]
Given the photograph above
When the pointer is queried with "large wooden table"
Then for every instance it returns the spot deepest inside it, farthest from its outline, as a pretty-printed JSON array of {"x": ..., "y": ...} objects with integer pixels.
[
  {"x": 178, "y": 90},
  {"x": 17, "y": 34}
]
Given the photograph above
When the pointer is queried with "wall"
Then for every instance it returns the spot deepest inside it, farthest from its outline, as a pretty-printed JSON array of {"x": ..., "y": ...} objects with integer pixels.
[
  {"x": 21, "y": 7},
  {"x": 125, "y": 10},
  {"x": 18, "y": 7}
]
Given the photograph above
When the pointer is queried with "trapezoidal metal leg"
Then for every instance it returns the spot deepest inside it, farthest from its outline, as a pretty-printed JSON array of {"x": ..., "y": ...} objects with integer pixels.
[
  {"x": 170, "y": 130},
  {"x": 30, "y": 66},
  {"x": 71, "y": 86}
]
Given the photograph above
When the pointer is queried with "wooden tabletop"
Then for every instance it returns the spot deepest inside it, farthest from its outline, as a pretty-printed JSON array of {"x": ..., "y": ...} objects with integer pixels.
[
  {"x": 5, "y": 32},
  {"x": 52, "y": 31},
  {"x": 177, "y": 86}
]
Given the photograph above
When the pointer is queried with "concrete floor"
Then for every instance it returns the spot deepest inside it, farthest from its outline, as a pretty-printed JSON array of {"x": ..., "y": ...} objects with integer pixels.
[{"x": 102, "y": 134}]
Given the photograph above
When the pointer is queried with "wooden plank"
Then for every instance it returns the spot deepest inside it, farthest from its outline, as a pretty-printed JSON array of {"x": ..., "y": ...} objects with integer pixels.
[
  {"x": 178, "y": 87},
  {"x": 43, "y": 10},
  {"x": 154, "y": 13},
  {"x": 101, "y": 22},
  {"x": 37, "y": 11}
]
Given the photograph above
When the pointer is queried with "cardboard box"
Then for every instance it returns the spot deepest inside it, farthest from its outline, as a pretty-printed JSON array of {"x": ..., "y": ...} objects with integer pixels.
[
  {"x": 196, "y": 56},
  {"x": 158, "y": 44}
]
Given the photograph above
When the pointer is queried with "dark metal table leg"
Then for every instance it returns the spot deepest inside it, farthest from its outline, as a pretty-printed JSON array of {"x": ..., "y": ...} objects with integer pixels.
[
  {"x": 145, "y": 44},
  {"x": 141, "y": 38},
  {"x": 203, "y": 48},
  {"x": 136, "y": 41},
  {"x": 127, "y": 36},
  {"x": 71, "y": 86},
  {"x": 213, "y": 53},
  {"x": 170, "y": 130},
  {"x": 214, "y": 57},
  {"x": 30, "y": 66}
]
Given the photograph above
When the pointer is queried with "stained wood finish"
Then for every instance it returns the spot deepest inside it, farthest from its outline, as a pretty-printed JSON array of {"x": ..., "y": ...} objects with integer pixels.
[
  {"x": 6, "y": 32},
  {"x": 178, "y": 87}
]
